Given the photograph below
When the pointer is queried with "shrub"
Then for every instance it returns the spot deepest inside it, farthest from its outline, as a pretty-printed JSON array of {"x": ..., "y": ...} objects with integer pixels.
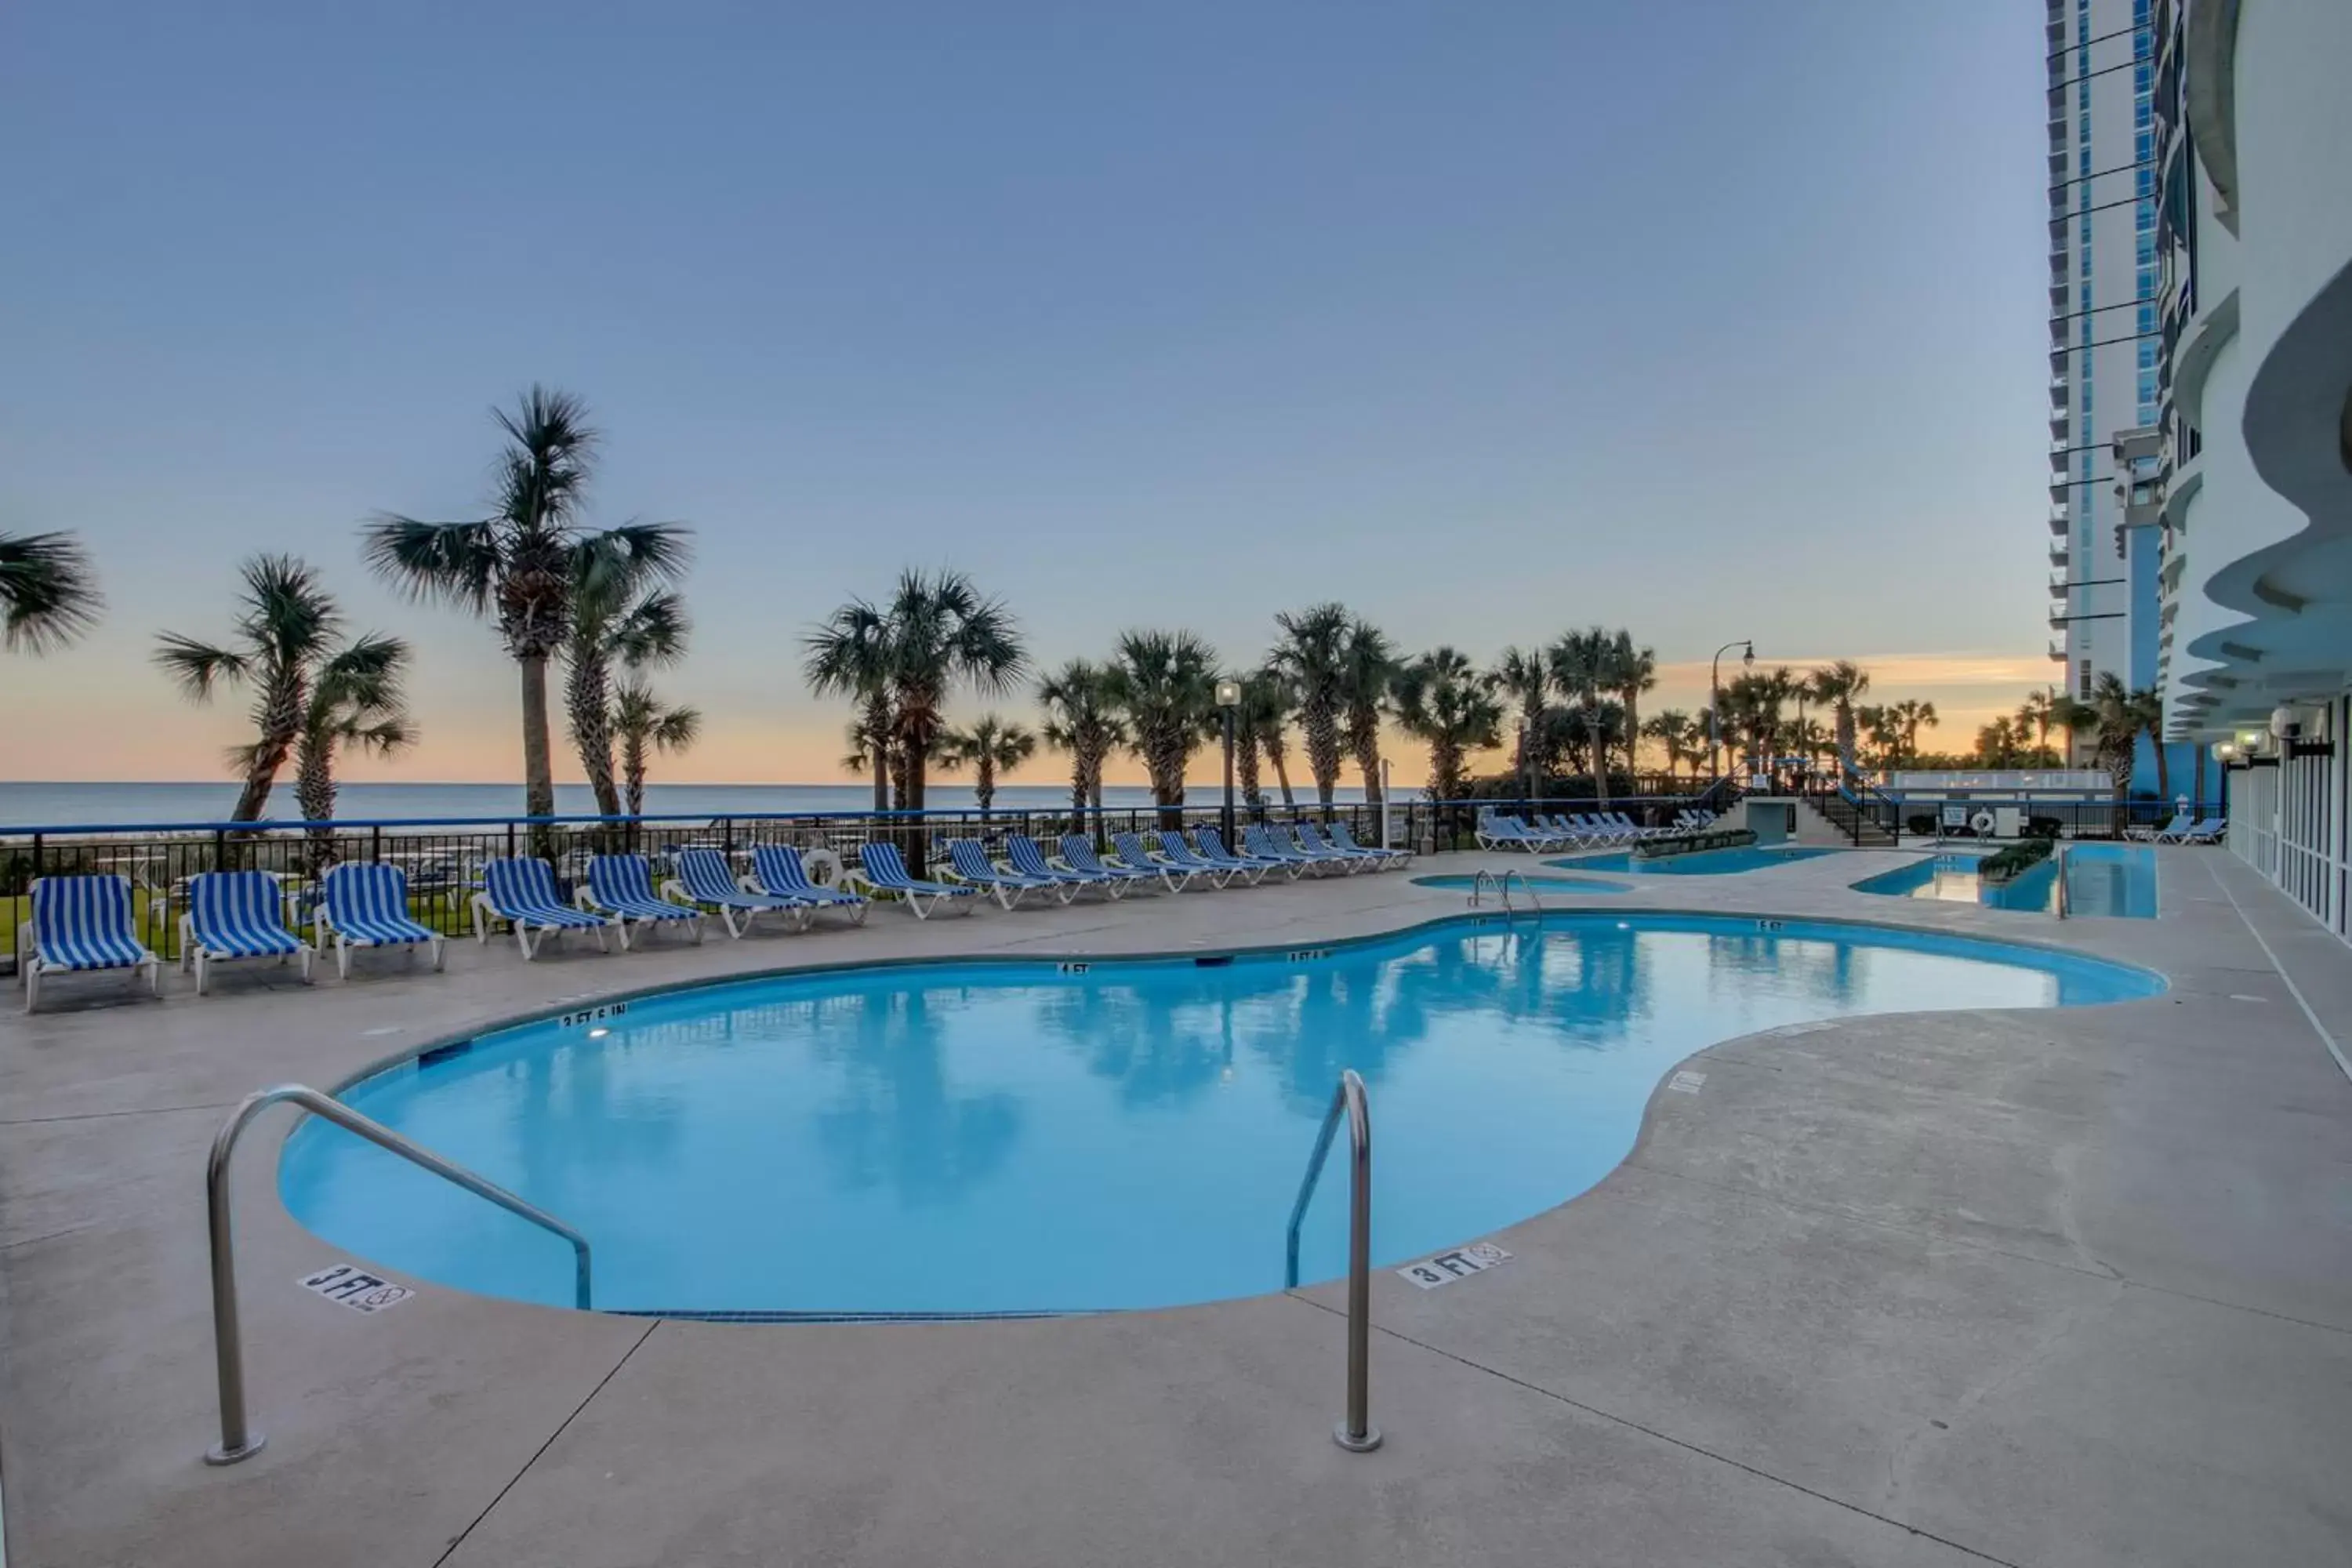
[
  {"x": 2042, "y": 827},
  {"x": 1692, "y": 842},
  {"x": 1920, "y": 822},
  {"x": 2006, "y": 865}
]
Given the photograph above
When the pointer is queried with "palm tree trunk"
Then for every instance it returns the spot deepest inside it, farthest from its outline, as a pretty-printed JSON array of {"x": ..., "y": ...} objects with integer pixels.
[
  {"x": 1246, "y": 770},
  {"x": 1600, "y": 757},
  {"x": 314, "y": 791},
  {"x": 589, "y": 710},
  {"x": 881, "y": 766},
  {"x": 538, "y": 764},
  {"x": 633, "y": 771},
  {"x": 2163, "y": 768},
  {"x": 1367, "y": 762},
  {"x": 983, "y": 785},
  {"x": 1077, "y": 789}
]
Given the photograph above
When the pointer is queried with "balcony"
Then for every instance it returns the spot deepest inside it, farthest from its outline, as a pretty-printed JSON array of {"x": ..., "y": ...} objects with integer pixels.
[
  {"x": 2058, "y": 422},
  {"x": 2059, "y": 447},
  {"x": 2061, "y": 486},
  {"x": 2058, "y": 651},
  {"x": 2058, "y": 616},
  {"x": 2057, "y": 521},
  {"x": 2061, "y": 552},
  {"x": 2058, "y": 583}
]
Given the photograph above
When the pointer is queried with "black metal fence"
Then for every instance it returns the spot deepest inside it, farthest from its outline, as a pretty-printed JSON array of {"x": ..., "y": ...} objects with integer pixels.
[{"x": 442, "y": 858}]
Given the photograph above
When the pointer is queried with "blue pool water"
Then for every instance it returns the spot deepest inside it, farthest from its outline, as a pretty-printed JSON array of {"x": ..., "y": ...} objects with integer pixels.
[
  {"x": 1706, "y": 863},
  {"x": 967, "y": 1137},
  {"x": 2114, "y": 880},
  {"x": 1539, "y": 881}
]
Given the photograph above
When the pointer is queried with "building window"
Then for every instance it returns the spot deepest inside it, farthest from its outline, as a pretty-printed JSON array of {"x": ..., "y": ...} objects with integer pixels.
[{"x": 2082, "y": 680}]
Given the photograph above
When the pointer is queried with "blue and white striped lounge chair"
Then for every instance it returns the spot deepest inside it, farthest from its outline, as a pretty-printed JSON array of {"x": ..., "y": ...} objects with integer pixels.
[
  {"x": 364, "y": 904},
  {"x": 1132, "y": 854},
  {"x": 1311, "y": 839},
  {"x": 1261, "y": 840},
  {"x": 1177, "y": 853},
  {"x": 237, "y": 914},
  {"x": 1028, "y": 858},
  {"x": 2174, "y": 832},
  {"x": 969, "y": 859},
  {"x": 1344, "y": 838},
  {"x": 1504, "y": 831},
  {"x": 80, "y": 924},
  {"x": 2212, "y": 830},
  {"x": 1078, "y": 854},
  {"x": 703, "y": 879},
  {"x": 521, "y": 892},
  {"x": 884, "y": 870},
  {"x": 622, "y": 886},
  {"x": 777, "y": 869},
  {"x": 1255, "y": 867}
]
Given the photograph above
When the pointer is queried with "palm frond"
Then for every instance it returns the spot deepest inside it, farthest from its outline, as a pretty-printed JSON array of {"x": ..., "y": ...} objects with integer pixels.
[
  {"x": 453, "y": 563},
  {"x": 49, "y": 595},
  {"x": 199, "y": 667},
  {"x": 653, "y": 631}
]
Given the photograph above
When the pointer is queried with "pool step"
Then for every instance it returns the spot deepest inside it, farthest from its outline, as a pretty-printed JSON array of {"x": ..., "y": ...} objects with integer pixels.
[{"x": 780, "y": 1315}]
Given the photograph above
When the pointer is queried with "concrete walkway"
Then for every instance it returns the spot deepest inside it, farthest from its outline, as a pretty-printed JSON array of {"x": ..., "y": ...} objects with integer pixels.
[{"x": 2041, "y": 1288}]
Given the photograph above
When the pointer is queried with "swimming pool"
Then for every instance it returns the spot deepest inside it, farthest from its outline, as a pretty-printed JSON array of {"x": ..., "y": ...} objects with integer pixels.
[
  {"x": 1703, "y": 863},
  {"x": 2111, "y": 880},
  {"x": 969, "y": 1137}
]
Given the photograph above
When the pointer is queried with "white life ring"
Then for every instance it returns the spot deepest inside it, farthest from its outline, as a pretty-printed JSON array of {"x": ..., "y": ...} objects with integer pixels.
[
  {"x": 1982, "y": 823},
  {"x": 822, "y": 865}
]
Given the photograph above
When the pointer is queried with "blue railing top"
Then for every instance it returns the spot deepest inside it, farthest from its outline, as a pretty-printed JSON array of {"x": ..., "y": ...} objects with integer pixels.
[{"x": 858, "y": 814}]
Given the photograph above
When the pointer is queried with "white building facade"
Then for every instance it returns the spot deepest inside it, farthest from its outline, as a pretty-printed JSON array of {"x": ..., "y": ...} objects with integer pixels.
[
  {"x": 2254, "y": 651},
  {"x": 2105, "y": 337}
]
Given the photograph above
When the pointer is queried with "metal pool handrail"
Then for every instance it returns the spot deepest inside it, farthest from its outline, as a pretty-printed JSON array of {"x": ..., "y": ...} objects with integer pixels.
[
  {"x": 1356, "y": 1433},
  {"x": 238, "y": 1441},
  {"x": 1502, "y": 886},
  {"x": 2065, "y": 899}
]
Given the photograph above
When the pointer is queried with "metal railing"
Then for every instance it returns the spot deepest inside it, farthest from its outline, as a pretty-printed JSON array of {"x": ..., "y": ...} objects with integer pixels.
[
  {"x": 2066, "y": 895},
  {"x": 1502, "y": 886},
  {"x": 1356, "y": 1432},
  {"x": 238, "y": 1440}
]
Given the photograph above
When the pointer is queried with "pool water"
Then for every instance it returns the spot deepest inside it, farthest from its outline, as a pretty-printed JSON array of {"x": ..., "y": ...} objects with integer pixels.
[
  {"x": 2111, "y": 880},
  {"x": 1703, "y": 863},
  {"x": 964, "y": 1137}
]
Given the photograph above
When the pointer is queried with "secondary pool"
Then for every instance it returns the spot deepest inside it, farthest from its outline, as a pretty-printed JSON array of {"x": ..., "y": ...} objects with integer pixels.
[
  {"x": 1703, "y": 863},
  {"x": 1539, "y": 881},
  {"x": 967, "y": 1137},
  {"x": 2113, "y": 879}
]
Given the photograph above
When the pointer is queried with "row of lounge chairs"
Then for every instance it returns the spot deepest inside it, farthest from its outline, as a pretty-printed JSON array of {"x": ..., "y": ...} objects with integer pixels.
[
  {"x": 85, "y": 923},
  {"x": 2184, "y": 828},
  {"x": 1591, "y": 830}
]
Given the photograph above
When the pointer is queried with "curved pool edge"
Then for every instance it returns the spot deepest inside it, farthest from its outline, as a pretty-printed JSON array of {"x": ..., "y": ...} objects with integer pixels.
[{"x": 1324, "y": 946}]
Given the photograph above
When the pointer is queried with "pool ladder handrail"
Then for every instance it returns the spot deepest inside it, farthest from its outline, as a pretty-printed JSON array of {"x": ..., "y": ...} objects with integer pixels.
[
  {"x": 238, "y": 1440},
  {"x": 2065, "y": 899},
  {"x": 1502, "y": 885},
  {"x": 1356, "y": 1433}
]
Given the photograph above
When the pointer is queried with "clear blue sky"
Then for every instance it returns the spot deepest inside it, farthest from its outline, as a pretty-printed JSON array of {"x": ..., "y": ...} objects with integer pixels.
[{"x": 1708, "y": 319}]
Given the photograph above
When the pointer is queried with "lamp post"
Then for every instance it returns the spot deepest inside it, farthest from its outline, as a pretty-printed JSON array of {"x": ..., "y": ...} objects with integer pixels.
[
  {"x": 1228, "y": 699},
  {"x": 1714, "y": 700}
]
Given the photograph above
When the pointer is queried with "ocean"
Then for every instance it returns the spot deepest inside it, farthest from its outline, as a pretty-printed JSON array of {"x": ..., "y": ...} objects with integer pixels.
[{"x": 26, "y": 806}]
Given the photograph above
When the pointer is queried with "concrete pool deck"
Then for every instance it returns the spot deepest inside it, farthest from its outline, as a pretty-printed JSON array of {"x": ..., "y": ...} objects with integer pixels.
[{"x": 2031, "y": 1287}]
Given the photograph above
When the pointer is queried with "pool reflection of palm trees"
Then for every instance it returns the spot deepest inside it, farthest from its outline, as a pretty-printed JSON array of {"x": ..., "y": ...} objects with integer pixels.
[
  {"x": 898, "y": 1121},
  {"x": 1160, "y": 1050}
]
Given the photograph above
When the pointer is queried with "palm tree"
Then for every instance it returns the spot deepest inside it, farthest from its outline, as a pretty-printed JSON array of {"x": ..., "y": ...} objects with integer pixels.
[
  {"x": 991, "y": 744},
  {"x": 1673, "y": 731},
  {"x": 850, "y": 656},
  {"x": 937, "y": 632},
  {"x": 286, "y": 640},
  {"x": 1312, "y": 657},
  {"x": 515, "y": 566},
  {"x": 619, "y": 614},
  {"x": 1584, "y": 666},
  {"x": 644, "y": 726},
  {"x": 1839, "y": 684},
  {"x": 1997, "y": 743},
  {"x": 2119, "y": 716},
  {"x": 1524, "y": 676},
  {"x": 2035, "y": 716},
  {"x": 1370, "y": 672},
  {"x": 1082, "y": 718},
  {"x": 1442, "y": 699},
  {"x": 1266, "y": 710},
  {"x": 1165, "y": 685},
  {"x": 1913, "y": 715},
  {"x": 49, "y": 595},
  {"x": 1637, "y": 671},
  {"x": 356, "y": 703}
]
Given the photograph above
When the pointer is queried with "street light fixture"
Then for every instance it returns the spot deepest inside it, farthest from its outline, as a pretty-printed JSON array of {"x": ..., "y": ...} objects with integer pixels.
[
  {"x": 1228, "y": 699},
  {"x": 1714, "y": 700}
]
